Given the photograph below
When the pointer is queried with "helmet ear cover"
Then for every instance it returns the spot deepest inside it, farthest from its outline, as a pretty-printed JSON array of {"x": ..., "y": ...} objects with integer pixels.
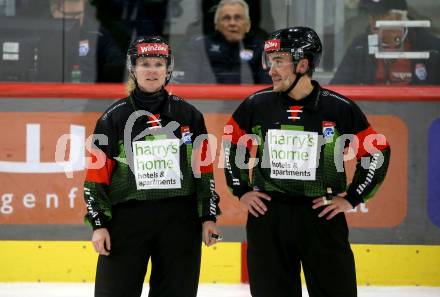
[{"x": 154, "y": 46}]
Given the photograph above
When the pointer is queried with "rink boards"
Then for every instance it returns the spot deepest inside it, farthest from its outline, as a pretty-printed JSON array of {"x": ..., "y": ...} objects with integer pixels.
[
  {"x": 396, "y": 236},
  {"x": 75, "y": 261}
]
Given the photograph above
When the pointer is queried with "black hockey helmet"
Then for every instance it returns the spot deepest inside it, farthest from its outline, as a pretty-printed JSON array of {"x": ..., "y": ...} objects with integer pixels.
[
  {"x": 151, "y": 46},
  {"x": 299, "y": 42}
]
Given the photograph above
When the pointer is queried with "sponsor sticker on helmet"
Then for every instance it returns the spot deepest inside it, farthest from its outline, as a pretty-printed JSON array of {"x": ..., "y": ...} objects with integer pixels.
[
  {"x": 272, "y": 45},
  {"x": 152, "y": 49}
]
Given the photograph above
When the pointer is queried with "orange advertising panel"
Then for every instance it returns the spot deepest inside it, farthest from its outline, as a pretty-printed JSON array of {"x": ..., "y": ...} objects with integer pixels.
[
  {"x": 42, "y": 161},
  {"x": 37, "y": 187}
]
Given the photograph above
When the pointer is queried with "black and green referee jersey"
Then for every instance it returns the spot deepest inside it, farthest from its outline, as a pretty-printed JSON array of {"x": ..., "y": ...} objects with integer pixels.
[
  {"x": 300, "y": 145},
  {"x": 124, "y": 128}
]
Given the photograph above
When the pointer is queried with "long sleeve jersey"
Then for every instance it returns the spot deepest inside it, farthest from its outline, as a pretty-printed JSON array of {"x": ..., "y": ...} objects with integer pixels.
[
  {"x": 300, "y": 145},
  {"x": 138, "y": 155}
]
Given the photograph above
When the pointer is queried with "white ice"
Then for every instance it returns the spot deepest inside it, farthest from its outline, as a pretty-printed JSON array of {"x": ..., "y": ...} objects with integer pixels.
[{"x": 205, "y": 290}]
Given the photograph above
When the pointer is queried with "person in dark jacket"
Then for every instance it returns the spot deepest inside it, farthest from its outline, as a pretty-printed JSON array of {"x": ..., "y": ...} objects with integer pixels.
[
  {"x": 230, "y": 55},
  {"x": 150, "y": 192},
  {"x": 360, "y": 66},
  {"x": 85, "y": 58},
  {"x": 297, "y": 196}
]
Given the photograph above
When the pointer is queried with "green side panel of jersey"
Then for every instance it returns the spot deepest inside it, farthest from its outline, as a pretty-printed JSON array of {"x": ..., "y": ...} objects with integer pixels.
[
  {"x": 99, "y": 194},
  {"x": 372, "y": 193},
  {"x": 379, "y": 175},
  {"x": 257, "y": 131},
  {"x": 204, "y": 192},
  {"x": 332, "y": 177},
  {"x": 189, "y": 152}
]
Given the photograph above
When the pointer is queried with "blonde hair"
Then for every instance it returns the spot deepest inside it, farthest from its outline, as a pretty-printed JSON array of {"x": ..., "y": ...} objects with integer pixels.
[
  {"x": 131, "y": 83},
  {"x": 231, "y": 2}
]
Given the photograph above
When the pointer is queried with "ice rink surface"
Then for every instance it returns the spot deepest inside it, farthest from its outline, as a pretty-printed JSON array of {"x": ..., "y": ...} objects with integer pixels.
[{"x": 218, "y": 290}]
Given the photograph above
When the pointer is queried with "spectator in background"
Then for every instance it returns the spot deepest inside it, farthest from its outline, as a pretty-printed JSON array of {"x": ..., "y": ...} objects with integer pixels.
[
  {"x": 208, "y": 8},
  {"x": 360, "y": 67},
  {"x": 121, "y": 21},
  {"x": 228, "y": 56},
  {"x": 68, "y": 23},
  {"x": 84, "y": 62},
  {"x": 70, "y": 9}
]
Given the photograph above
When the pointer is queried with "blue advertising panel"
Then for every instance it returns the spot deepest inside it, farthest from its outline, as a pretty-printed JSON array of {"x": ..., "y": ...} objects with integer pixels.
[{"x": 434, "y": 172}]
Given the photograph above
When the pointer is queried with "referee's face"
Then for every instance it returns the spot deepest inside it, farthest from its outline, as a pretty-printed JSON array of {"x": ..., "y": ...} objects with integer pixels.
[
  {"x": 281, "y": 71},
  {"x": 150, "y": 73}
]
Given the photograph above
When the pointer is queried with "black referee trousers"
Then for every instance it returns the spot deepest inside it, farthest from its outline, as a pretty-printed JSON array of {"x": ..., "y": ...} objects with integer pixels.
[
  {"x": 290, "y": 235},
  {"x": 167, "y": 231}
]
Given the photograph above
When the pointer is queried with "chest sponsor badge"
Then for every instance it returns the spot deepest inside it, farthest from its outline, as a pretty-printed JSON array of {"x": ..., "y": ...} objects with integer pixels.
[
  {"x": 246, "y": 54},
  {"x": 157, "y": 164},
  {"x": 328, "y": 130},
  {"x": 420, "y": 71},
  {"x": 186, "y": 135},
  {"x": 84, "y": 47},
  {"x": 293, "y": 154}
]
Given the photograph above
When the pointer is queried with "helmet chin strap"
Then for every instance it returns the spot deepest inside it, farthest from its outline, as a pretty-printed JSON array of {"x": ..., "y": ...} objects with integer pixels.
[{"x": 295, "y": 82}]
